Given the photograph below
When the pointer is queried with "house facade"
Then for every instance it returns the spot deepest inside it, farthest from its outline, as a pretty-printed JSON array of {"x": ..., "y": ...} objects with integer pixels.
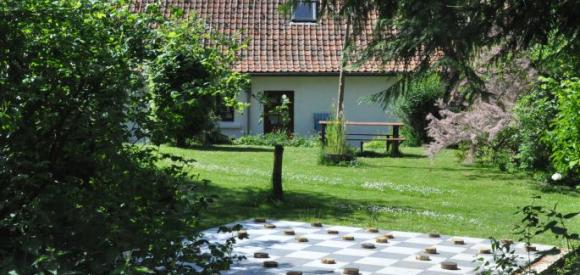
[{"x": 293, "y": 56}]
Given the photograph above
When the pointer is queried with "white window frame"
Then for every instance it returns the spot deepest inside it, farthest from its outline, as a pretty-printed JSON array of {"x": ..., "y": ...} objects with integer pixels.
[{"x": 312, "y": 19}]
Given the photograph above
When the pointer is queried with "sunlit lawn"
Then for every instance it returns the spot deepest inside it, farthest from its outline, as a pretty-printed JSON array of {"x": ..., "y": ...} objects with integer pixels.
[{"x": 413, "y": 193}]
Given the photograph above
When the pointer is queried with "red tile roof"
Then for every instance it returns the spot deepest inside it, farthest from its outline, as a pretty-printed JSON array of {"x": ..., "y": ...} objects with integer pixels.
[{"x": 275, "y": 45}]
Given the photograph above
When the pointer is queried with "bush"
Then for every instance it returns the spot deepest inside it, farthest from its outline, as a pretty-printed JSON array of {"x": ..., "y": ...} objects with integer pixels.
[
  {"x": 335, "y": 150},
  {"x": 414, "y": 106},
  {"x": 75, "y": 198},
  {"x": 534, "y": 113},
  {"x": 275, "y": 138},
  {"x": 187, "y": 81},
  {"x": 375, "y": 144},
  {"x": 565, "y": 134}
]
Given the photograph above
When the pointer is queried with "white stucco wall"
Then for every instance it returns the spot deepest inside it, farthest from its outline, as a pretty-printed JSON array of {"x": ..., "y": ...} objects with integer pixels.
[{"x": 313, "y": 94}]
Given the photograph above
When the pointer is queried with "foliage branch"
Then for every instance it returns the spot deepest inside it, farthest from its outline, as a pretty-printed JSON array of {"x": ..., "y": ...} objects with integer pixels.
[{"x": 75, "y": 196}]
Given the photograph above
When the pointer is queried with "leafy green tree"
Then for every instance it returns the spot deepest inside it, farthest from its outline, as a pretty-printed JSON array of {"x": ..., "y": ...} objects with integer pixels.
[
  {"x": 414, "y": 106},
  {"x": 188, "y": 81},
  {"x": 547, "y": 117},
  {"x": 75, "y": 196},
  {"x": 533, "y": 113},
  {"x": 565, "y": 134},
  {"x": 448, "y": 36}
]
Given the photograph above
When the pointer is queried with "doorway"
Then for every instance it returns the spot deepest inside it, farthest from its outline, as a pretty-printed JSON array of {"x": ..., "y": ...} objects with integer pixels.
[{"x": 277, "y": 117}]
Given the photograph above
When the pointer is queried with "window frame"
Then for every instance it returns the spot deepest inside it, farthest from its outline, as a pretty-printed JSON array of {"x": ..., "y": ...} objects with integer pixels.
[
  {"x": 223, "y": 109},
  {"x": 314, "y": 6}
]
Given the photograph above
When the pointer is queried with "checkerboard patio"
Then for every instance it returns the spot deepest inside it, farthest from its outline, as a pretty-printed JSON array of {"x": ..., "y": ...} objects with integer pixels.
[{"x": 395, "y": 257}]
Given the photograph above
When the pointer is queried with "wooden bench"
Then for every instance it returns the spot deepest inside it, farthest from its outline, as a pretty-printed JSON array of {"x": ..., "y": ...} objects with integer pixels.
[{"x": 393, "y": 139}]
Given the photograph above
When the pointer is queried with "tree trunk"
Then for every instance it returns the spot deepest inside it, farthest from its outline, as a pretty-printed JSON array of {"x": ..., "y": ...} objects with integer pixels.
[
  {"x": 343, "y": 63},
  {"x": 277, "y": 190},
  {"x": 180, "y": 141}
]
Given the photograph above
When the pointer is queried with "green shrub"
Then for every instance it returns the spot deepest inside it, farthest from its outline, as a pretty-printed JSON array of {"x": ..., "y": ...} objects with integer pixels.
[
  {"x": 534, "y": 113},
  {"x": 335, "y": 150},
  {"x": 545, "y": 136},
  {"x": 375, "y": 144},
  {"x": 336, "y": 143},
  {"x": 500, "y": 152},
  {"x": 75, "y": 198},
  {"x": 565, "y": 134},
  {"x": 188, "y": 81},
  {"x": 414, "y": 106},
  {"x": 275, "y": 138}
]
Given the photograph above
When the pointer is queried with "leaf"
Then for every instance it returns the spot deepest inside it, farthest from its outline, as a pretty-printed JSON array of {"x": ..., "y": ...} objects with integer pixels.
[
  {"x": 571, "y": 215},
  {"x": 143, "y": 269},
  {"x": 559, "y": 230},
  {"x": 172, "y": 35}
]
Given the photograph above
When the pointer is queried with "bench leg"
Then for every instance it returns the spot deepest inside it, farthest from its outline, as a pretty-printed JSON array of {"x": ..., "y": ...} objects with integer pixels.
[{"x": 395, "y": 151}]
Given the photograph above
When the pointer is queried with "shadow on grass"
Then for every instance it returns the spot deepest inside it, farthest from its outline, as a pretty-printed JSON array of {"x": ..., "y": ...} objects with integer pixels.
[
  {"x": 495, "y": 176},
  {"x": 558, "y": 189},
  {"x": 232, "y": 148},
  {"x": 372, "y": 154},
  {"x": 412, "y": 156},
  {"x": 245, "y": 203},
  {"x": 375, "y": 154},
  {"x": 463, "y": 169},
  {"x": 240, "y": 204}
]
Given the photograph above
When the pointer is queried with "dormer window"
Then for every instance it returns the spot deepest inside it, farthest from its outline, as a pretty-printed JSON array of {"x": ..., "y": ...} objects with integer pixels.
[{"x": 304, "y": 11}]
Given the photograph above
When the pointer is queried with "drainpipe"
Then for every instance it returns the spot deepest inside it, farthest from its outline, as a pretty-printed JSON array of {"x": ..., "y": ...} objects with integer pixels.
[{"x": 248, "y": 111}]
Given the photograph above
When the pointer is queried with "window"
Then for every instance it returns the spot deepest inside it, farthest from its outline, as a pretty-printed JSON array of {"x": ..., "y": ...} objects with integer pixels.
[
  {"x": 226, "y": 113},
  {"x": 304, "y": 11}
]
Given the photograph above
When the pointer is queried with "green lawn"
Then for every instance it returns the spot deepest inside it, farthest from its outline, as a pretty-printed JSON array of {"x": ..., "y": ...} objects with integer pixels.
[{"x": 413, "y": 193}]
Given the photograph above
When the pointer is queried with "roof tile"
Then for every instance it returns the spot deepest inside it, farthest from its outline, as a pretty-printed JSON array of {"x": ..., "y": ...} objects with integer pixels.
[{"x": 275, "y": 44}]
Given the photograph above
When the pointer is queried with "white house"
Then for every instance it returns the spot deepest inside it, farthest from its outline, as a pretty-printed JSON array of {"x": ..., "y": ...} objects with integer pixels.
[{"x": 297, "y": 55}]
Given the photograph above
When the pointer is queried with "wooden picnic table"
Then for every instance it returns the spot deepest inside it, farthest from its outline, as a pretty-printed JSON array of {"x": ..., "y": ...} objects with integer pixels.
[{"x": 395, "y": 139}]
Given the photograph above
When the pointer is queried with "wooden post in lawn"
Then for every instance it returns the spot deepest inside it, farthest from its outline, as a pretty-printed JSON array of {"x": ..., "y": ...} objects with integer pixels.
[
  {"x": 395, "y": 145},
  {"x": 277, "y": 173}
]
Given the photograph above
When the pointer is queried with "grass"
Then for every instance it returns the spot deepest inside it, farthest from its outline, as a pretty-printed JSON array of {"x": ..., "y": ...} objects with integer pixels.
[{"x": 413, "y": 193}]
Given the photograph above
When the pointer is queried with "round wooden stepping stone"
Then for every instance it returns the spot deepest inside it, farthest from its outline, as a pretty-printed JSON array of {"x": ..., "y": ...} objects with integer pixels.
[
  {"x": 269, "y": 226},
  {"x": 348, "y": 238},
  {"x": 530, "y": 248},
  {"x": 373, "y": 230},
  {"x": 328, "y": 261},
  {"x": 382, "y": 239},
  {"x": 434, "y": 235},
  {"x": 368, "y": 246},
  {"x": 332, "y": 232},
  {"x": 294, "y": 273},
  {"x": 431, "y": 250},
  {"x": 243, "y": 234},
  {"x": 289, "y": 232},
  {"x": 270, "y": 264},
  {"x": 302, "y": 239},
  {"x": 484, "y": 250},
  {"x": 458, "y": 241},
  {"x": 506, "y": 242},
  {"x": 449, "y": 265},
  {"x": 316, "y": 224},
  {"x": 259, "y": 220},
  {"x": 389, "y": 236},
  {"x": 423, "y": 257},
  {"x": 261, "y": 255},
  {"x": 350, "y": 271}
]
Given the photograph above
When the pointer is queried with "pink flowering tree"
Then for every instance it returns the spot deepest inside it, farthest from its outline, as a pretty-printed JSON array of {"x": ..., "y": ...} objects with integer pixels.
[{"x": 488, "y": 114}]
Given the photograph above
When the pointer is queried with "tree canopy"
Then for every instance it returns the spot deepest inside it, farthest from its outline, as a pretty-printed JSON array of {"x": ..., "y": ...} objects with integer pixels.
[
  {"x": 76, "y": 196},
  {"x": 449, "y": 35},
  {"x": 473, "y": 46}
]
